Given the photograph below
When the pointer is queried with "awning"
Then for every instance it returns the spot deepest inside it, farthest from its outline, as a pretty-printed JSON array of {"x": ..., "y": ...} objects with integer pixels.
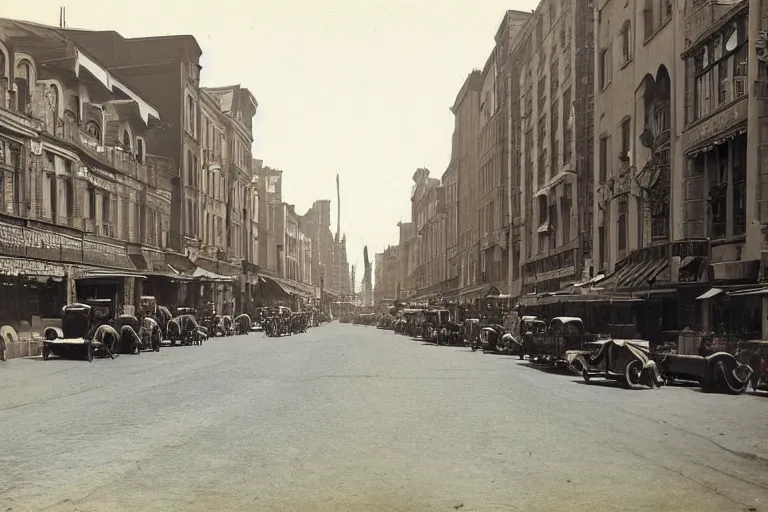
[
  {"x": 101, "y": 273},
  {"x": 712, "y": 292},
  {"x": 755, "y": 291},
  {"x": 287, "y": 286},
  {"x": 206, "y": 275}
]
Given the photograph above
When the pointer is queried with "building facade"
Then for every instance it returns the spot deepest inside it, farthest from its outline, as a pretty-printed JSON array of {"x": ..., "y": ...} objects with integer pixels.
[
  {"x": 386, "y": 269},
  {"x": 466, "y": 111},
  {"x": 429, "y": 215},
  {"x": 556, "y": 101}
]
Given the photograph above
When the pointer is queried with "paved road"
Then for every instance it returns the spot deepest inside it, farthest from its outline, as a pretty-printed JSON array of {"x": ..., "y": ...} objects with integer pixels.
[{"x": 350, "y": 418}]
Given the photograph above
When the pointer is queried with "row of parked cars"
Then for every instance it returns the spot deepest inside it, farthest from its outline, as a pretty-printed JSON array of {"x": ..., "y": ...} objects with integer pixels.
[
  {"x": 93, "y": 328},
  {"x": 716, "y": 363}
]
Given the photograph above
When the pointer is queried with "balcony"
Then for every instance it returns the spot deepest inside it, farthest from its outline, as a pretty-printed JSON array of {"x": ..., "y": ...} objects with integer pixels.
[
  {"x": 114, "y": 157},
  {"x": 703, "y": 17},
  {"x": 709, "y": 128}
]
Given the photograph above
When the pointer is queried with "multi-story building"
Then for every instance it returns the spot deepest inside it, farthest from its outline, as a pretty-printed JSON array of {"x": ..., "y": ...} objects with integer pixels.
[
  {"x": 429, "y": 215},
  {"x": 492, "y": 154},
  {"x": 406, "y": 249},
  {"x": 149, "y": 65},
  {"x": 466, "y": 111},
  {"x": 717, "y": 191},
  {"x": 239, "y": 107},
  {"x": 82, "y": 190},
  {"x": 556, "y": 102},
  {"x": 386, "y": 269},
  {"x": 213, "y": 191}
]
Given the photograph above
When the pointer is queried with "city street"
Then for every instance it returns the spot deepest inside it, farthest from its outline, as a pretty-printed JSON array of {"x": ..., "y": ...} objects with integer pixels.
[{"x": 353, "y": 418}]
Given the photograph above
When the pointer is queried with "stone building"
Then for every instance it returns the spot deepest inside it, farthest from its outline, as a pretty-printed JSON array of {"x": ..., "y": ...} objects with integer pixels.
[
  {"x": 493, "y": 159},
  {"x": 556, "y": 102},
  {"x": 237, "y": 107},
  {"x": 386, "y": 268},
  {"x": 466, "y": 111},
  {"x": 428, "y": 246},
  {"x": 406, "y": 255},
  {"x": 213, "y": 191}
]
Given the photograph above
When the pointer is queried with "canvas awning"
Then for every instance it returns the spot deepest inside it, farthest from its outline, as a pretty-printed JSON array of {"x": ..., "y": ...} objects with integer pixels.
[
  {"x": 712, "y": 292},
  {"x": 754, "y": 291},
  {"x": 207, "y": 275}
]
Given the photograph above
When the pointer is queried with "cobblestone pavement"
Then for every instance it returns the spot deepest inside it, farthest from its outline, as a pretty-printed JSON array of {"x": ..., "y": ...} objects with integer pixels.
[{"x": 351, "y": 418}]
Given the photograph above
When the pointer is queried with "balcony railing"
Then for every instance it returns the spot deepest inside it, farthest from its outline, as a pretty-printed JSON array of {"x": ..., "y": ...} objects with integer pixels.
[{"x": 114, "y": 157}]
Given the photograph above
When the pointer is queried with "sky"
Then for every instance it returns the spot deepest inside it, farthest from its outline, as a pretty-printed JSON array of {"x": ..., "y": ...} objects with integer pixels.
[{"x": 361, "y": 88}]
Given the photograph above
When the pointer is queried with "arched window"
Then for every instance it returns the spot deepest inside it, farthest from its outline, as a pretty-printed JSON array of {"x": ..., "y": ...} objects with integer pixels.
[
  {"x": 93, "y": 129},
  {"x": 126, "y": 139},
  {"x": 23, "y": 83}
]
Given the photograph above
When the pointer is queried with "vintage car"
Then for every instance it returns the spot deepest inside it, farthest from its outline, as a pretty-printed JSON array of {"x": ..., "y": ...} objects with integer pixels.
[
  {"x": 128, "y": 327},
  {"x": 625, "y": 361},
  {"x": 530, "y": 326},
  {"x": 490, "y": 337},
  {"x": 85, "y": 332},
  {"x": 472, "y": 333},
  {"x": 242, "y": 324},
  {"x": 564, "y": 334},
  {"x": 225, "y": 325},
  {"x": 183, "y": 329},
  {"x": 715, "y": 370}
]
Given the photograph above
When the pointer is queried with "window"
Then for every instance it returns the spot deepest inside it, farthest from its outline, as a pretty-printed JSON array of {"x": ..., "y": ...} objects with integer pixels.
[
  {"x": 606, "y": 67},
  {"x": 625, "y": 137},
  {"x": 739, "y": 179},
  {"x": 603, "y": 249},
  {"x": 720, "y": 70},
  {"x": 105, "y": 206},
  {"x": 23, "y": 83},
  {"x": 140, "y": 150},
  {"x": 621, "y": 228},
  {"x": 647, "y": 19},
  {"x": 554, "y": 143},
  {"x": 566, "y": 201},
  {"x": 626, "y": 42},
  {"x": 543, "y": 209},
  {"x": 191, "y": 118},
  {"x": 605, "y": 143},
  {"x": 567, "y": 123},
  {"x": 126, "y": 140}
]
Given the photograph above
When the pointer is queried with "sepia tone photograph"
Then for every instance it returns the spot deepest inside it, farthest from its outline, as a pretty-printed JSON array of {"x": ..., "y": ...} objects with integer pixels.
[{"x": 384, "y": 255}]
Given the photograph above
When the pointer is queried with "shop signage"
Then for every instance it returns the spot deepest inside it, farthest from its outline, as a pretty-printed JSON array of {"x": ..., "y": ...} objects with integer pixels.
[{"x": 36, "y": 243}]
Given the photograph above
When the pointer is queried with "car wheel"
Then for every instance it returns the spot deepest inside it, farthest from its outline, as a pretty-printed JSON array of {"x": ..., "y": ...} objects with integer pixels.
[
  {"x": 633, "y": 372},
  {"x": 89, "y": 352}
]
